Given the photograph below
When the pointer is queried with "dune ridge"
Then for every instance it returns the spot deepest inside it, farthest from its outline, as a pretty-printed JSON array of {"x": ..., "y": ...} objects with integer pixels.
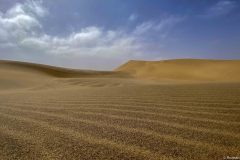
[
  {"x": 16, "y": 74},
  {"x": 185, "y": 70},
  {"x": 53, "y": 71}
]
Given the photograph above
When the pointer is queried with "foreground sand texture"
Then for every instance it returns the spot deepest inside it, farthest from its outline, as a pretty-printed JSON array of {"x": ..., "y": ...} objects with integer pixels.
[{"x": 54, "y": 113}]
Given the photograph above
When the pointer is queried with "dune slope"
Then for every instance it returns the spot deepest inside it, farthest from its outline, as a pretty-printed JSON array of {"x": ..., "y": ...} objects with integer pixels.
[
  {"x": 21, "y": 74},
  {"x": 52, "y": 70},
  {"x": 185, "y": 69}
]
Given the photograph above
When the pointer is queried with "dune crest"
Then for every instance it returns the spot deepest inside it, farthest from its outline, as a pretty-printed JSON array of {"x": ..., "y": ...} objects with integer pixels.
[
  {"x": 52, "y": 71},
  {"x": 185, "y": 70}
]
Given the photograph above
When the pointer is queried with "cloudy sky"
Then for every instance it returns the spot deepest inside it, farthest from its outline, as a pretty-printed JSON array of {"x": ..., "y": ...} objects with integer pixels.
[{"x": 101, "y": 34}]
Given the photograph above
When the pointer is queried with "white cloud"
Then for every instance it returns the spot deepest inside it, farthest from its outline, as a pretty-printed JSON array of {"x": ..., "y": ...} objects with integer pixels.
[
  {"x": 144, "y": 27},
  {"x": 20, "y": 22},
  {"x": 223, "y": 7},
  {"x": 133, "y": 17},
  {"x": 21, "y": 28},
  {"x": 35, "y": 44},
  {"x": 162, "y": 26},
  {"x": 31, "y": 7}
]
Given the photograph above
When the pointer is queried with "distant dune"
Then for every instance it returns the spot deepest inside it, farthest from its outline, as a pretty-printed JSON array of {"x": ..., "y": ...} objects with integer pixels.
[
  {"x": 52, "y": 70},
  {"x": 22, "y": 74},
  {"x": 17, "y": 75},
  {"x": 185, "y": 70}
]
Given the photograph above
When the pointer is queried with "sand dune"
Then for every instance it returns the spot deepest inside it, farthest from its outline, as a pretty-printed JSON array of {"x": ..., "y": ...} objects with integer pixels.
[
  {"x": 55, "y": 113},
  {"x": 52, "y": 70},
  {"x": 21, "y": 74},
  {"x": 185, "y": 70}
]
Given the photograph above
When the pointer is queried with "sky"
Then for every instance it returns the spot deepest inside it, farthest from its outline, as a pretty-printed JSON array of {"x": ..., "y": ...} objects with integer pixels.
[{"x": 102, "y": 34}]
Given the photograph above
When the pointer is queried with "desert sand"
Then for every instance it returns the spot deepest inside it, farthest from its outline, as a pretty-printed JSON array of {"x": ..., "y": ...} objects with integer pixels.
[
  {"x": 173, "y": 109},
  {"x": 195, "y": 70}
]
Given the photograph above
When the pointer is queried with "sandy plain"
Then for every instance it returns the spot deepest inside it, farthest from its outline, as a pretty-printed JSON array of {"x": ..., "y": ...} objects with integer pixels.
[{"x": 177, "y": 109}]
